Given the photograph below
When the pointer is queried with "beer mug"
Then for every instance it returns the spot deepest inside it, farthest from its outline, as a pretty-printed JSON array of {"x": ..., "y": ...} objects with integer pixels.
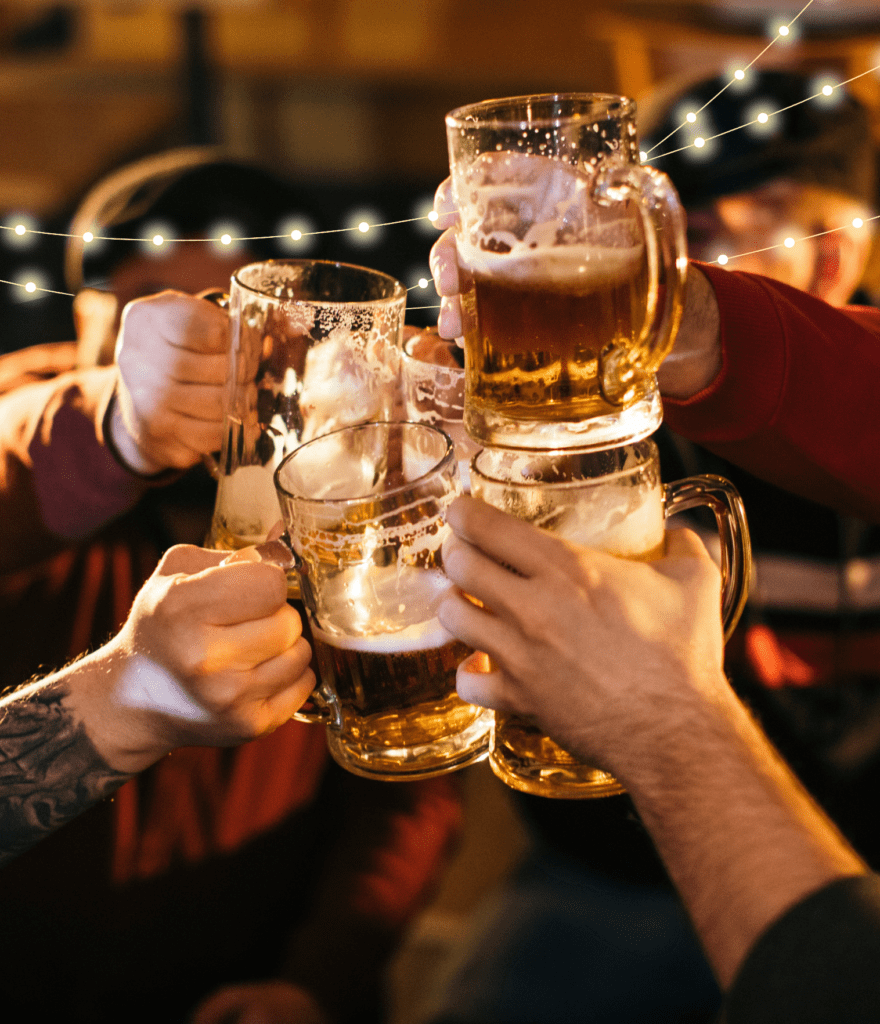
[
  {"x": 432, "y": 387},
  {"x": 572, "y": 263},
  {"x": 364, "y": 509},
  {"x": 314, "y": 346},
  {"x": 612, "y": 500}
]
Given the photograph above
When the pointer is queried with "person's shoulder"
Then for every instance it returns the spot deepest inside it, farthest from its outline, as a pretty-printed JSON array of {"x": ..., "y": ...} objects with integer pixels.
[{"x": 36, "y": 363}]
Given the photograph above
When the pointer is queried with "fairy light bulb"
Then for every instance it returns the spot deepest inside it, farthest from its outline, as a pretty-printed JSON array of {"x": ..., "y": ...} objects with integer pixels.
[
  {"x": 858, "y": 222},
  {"x": 827, "y": 90},
  {"x": 692, "y": 117},
  {"x": 158, "y": 240},
  {"x": 30, "y": 287},
  {"x": 20, "y": 229},
  {"x": 783, "y": 30},
  {"x": 762, "y": 118},
  {"x": 699, "y": 142},
  {"x": 432, "y": 217},
  {"x": 789, "y": 243},
  {"x": 88, "y": 237},
  {"x": 296, "y": 234},
  {"x": 363, "y": 227},
  {"x": 739, "y": 74},
  {"x": 722, "y": 260},
  {"x": 226, "y": 239}
]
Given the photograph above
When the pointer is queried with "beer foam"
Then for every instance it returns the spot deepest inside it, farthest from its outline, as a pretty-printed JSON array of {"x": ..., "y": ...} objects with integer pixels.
[
  {"x": 247, "y": 502},
  {"x": 420, "y": 636},
  {"x": 368, "y": 599},
  {"x": 525, "y": 216},
  {"x": 587, "y": 267},
  {"x": 615, "y": 520}
]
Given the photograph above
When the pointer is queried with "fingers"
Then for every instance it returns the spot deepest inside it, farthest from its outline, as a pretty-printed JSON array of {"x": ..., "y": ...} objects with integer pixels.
[
  {"x": 444, "y": 205},
  {"x": 444, "y": 269},
  {"x": 478, "y": 683},
  {"x": 509, "y": 541},
  {"x": 181, "y": 321},
  {"x": 222, "y": 595}
]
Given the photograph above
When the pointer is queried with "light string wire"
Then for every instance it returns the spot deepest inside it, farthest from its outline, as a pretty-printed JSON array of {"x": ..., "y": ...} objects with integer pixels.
[
  {"x": 364, "y": 227},
  {"x": 225, "y": 239},
  {"x": 740, "y": 74}
]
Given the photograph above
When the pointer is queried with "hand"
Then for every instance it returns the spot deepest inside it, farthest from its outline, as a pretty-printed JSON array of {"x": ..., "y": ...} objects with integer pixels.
[
  {"x": 696, "y": 356},
  {"x": 444, "y": 264},
  {"x": 210, "y": 654},
  {"x": 606, "y": 654},
  {"x": 171, "y": 355},
  {"x": 266, "y": 1002}
]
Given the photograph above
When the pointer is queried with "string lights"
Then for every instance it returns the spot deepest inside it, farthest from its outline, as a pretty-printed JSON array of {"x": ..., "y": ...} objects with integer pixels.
[{"x": 363, "y": 226}]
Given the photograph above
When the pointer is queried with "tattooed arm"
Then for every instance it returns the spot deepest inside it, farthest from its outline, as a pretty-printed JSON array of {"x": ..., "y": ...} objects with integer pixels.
[{"x": 211, "y": 654}]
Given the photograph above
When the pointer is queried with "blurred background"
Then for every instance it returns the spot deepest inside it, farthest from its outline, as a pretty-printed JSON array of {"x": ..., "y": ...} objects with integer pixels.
[{"x": 346, "y": 98}]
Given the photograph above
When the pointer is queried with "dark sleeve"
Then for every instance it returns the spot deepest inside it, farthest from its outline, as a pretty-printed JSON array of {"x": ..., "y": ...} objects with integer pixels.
[
  {"x": 818, "y": 964},
  {"x": 796, "y": 402},
  {"x": 59, "y": 481}
]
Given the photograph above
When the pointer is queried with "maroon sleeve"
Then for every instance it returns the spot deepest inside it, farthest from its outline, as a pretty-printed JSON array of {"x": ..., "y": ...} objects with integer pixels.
[
  {"x": 393, "y": 841},
  {"x": 797, "y": 401},
  {"x": 58, "y": 479}
]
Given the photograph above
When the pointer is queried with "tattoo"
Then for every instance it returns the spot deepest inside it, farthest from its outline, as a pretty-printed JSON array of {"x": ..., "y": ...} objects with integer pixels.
[{"x": 49, "y": 769}]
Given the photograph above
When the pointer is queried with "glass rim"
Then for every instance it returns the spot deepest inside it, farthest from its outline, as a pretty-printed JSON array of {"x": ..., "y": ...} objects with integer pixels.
[
  {"x": 398, "y": 290},
  {"x": 646, "y": 449},
  {"x": 448, "y": 456},
  {"x": 481, "y": 114}
]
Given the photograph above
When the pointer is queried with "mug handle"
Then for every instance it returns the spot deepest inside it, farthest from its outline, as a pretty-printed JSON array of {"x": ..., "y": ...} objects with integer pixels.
[
  {"x": 220, "y": 299},
  {"x": 663, "y": 223},
  {"x": 736, "y": 550},
  {"x": 319, "y": 707}
]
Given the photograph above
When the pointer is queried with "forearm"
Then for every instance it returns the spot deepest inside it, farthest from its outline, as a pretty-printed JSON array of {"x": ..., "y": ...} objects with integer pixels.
[
  {"x": 58, "y": 480},
  {"x": 740, "y": 837},
  {"x": 50, "y": 769},
  {"x": 791, "y": 398}
]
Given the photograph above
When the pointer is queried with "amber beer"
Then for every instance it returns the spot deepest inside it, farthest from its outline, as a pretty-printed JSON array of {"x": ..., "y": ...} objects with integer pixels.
[
  {"x": 524, "y": 757},
  {"x": 395, "y": 690},
  {"x": 534, "y": 329}
]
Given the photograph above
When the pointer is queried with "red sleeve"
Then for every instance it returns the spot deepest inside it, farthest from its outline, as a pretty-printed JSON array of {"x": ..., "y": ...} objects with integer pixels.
[
  {"x": 393, "y": 842},
  {"x": 797, "y": 401},
  {"x": 58, "y": 479}
]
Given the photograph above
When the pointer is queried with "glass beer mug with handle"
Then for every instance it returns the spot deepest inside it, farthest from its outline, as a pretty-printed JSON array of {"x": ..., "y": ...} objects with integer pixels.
[
  {"x": 364, "y": 509},
  {"x": 611, "y": 500},
  {"x": 314, "y": 346},
  {"x": 572, "y": 264}
]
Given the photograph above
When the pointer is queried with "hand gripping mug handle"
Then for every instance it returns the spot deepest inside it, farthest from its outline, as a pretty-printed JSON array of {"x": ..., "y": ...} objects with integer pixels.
[
  {"x": 320, "y": 707},
  {"x": 663, "y": 223},
  {"x": 736, "y": 551}
]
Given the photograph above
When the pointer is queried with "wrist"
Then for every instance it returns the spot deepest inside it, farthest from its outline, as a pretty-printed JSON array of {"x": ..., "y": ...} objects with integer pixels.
[
  {"x": 127, "y": 733},
  {"x": 696, "y": 357},
  {"x": 123, "y": 445}
]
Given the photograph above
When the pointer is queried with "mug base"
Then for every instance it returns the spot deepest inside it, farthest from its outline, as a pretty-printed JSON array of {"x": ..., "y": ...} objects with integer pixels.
[
  {"x": 405, "y": 764},
  {"x": 560, "y": 782},
  {"x": 626, "y": 426}
]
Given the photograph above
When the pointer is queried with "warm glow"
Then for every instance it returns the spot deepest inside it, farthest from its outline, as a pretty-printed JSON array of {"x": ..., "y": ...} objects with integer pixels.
[
  {"x": 88, "y": 237},
  {"x": 699, "y": 143},
  {"x": 158, "y": 240},
  {"x": 722, "y": 259},
  {"x": 20, "y": 229},
  {"x": 226, "y": 239},
  {"x": 789, "y": 243},
  {"x": 363, "y": 227}
]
